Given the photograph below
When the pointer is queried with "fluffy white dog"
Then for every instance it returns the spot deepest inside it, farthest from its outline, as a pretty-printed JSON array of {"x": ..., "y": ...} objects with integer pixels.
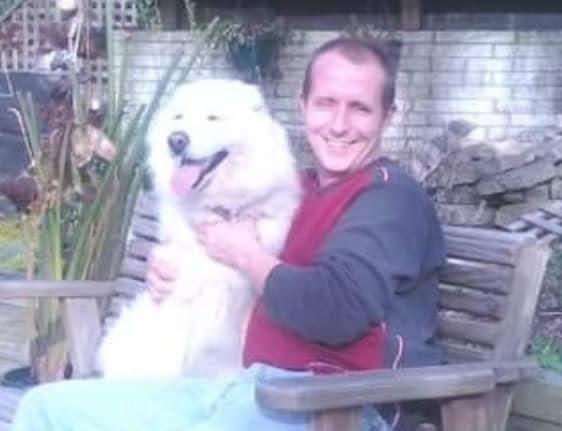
[{"x": 215, "y": 153}]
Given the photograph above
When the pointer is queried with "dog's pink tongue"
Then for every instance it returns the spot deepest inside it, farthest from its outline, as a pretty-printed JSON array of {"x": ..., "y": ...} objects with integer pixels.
[{"x": 184, "y": 178}]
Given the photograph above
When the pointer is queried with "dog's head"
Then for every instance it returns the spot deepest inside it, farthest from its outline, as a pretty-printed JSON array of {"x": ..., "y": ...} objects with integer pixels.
[{"x": 204, "y": 123}]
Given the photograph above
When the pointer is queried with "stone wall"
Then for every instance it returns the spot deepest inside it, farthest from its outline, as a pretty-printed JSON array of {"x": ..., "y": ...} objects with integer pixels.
[{"x": 491, "y": 181}]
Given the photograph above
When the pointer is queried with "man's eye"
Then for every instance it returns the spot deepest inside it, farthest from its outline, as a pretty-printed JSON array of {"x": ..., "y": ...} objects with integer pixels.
[
  {"x": 324, "y": 103},
  {"x": 362, "y": 108}
]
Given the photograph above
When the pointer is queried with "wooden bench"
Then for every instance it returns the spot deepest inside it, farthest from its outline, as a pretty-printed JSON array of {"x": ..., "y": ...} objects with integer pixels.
[{"x": 489, "y": 293}]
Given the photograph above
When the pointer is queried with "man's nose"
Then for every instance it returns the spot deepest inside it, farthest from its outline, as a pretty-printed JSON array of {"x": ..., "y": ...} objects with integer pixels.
[
  {"x": 340, "y": 121},
  {"x": 178, "y": 142}
]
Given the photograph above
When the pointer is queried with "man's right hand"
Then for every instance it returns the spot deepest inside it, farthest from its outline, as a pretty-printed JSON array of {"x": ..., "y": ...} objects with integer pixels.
[{"x": 161, "y": 275}]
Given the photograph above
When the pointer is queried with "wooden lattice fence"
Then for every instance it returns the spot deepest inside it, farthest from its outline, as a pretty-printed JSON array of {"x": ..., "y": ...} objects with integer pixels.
[{"x": 23, "y": 27}]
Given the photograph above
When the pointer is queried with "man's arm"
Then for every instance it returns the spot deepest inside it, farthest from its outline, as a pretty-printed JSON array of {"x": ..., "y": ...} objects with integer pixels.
[{"x": 376, "y": 249}]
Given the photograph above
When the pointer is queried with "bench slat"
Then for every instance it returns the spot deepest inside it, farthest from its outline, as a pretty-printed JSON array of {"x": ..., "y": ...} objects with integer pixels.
[
  {"x": 147, "y": 206},
  {"x": 476, "y": 304},
  {"x": 460, "y": 353},
  {"x": 474, "y": 249},
  {"x": 486, "y": 277},
  {"x": 139, "y": 248},
  {"x": 465, "y": 329},
  {"x": 145, "y": 228},
  {"x": 133, "y": 268},
  {"x": 129, "y": 287}
]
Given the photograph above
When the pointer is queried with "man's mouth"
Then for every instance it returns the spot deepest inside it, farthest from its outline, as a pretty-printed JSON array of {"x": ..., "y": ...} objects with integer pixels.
[
  {"x": 192, "y": 172},
  {"x": 337, "y": 144}
]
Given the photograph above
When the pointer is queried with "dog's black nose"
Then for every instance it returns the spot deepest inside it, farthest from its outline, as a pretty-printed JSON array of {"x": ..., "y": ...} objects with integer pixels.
[{"x": 177, "y": 142}]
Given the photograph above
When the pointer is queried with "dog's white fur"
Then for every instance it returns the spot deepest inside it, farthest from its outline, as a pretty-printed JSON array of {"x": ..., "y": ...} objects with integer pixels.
[{"x": 199, "y": 329}]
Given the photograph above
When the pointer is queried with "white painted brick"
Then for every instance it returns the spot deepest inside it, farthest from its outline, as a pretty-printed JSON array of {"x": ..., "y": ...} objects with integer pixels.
[
  {"x": 284, "y": 103},
  {"x": 443, "y": 64},
  {"x": 497, "y": 133},
  {"x": 413, "y": 92},
  {"x": 516, "y": 78},
  {"x": 537, "y": 92},
  {"x": 533, "y": 120},
  {"x": 445, "y": 78},
  {"x": 462, "y": 50},
  {"x": 314, "y": 39},
  {"x": 539, "y": 36},
  {"x": 470, "y": 92},
  {"x": 483, "y": 120},
  {"x": 403, "y": 105},
  {"x": 284, "y": 89},
  {"x": 395, "y": 132},
  {"x": 420, "y": 78},
  {"x": 528, "y": 106},
  {"x": 547, "y": 51},
  {"x": 285, "y": 117},
  {"x": 294, "y": 62},
  {"x": 391, "y": 146},
  {"x": 537, "y": 64},
  {"x": 479, "y": 78},
  {"x": 413, "y": 119},
  {"x": 417, "y": 36},
  {"x": 402, "y": 78},
  {"x": 414, "y": 64},
  {"x": 454, "y": 106},
  {"x": 475, "y": 37},
  {"x": 423, "y": 132},
  {"x": 420, "y": 50},
  {"x": 503, "y": 51},
  {"x": 488, "y": 65}
]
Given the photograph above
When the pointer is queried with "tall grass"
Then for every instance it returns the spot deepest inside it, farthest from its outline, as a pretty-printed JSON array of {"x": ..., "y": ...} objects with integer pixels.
[{"x": 80, "y": 239}]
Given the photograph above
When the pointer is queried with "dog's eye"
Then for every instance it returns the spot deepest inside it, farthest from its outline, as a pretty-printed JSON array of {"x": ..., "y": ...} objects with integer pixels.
[
  {"x": 178, "y": 117},
  {"x": 212, "y": 117}
]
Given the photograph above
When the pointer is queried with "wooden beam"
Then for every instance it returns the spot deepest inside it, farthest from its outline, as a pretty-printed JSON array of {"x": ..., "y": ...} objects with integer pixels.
[
  {"x": 411, "y": 14},
  {"x": 44, "y": 288}
]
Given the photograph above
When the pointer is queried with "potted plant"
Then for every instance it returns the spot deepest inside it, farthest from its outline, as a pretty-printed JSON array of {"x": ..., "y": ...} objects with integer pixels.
[
  {"x": 253, "y": 48},
  {"x": 81, "y": 184}
]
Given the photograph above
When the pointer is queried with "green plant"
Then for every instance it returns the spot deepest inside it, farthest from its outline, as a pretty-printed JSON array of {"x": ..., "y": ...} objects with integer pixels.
[
  {"x": 87, "y": 176},
  {"x": 148, "y": 14},
  {"x": 11, "y": 254},
  {"x": 548, "y": 353},
  {"x": 253, "y": 48}
]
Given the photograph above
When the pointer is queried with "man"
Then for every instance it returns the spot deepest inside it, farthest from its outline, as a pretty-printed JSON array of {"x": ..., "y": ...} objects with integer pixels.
[{"x": 355, "y": 287}]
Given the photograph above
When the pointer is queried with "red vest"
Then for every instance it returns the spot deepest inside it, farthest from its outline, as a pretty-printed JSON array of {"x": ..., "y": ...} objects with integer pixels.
[{"x": 272, "y": 344}]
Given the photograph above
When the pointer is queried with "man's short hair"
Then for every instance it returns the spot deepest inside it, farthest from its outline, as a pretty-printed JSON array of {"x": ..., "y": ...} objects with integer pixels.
[{"x": 358, "y": 51}]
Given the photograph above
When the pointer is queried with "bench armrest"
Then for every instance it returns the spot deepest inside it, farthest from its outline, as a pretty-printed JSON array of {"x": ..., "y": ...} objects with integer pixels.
[
  {"x": 325, "y": 392},
  {"x": 64, "y": 289}
]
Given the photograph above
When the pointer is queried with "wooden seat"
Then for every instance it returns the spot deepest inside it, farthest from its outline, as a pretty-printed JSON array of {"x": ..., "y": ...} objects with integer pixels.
[{"x": 489, "y": 292}]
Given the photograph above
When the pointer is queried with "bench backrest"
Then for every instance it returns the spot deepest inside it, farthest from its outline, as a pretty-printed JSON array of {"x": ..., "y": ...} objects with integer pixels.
[
  {"x": 489, "y": 288},
  {"x": 489, "y": 292}
]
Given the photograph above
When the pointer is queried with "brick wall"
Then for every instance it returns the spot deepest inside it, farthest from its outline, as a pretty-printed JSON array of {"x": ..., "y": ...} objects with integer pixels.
[{"x": 504, "y": 81}]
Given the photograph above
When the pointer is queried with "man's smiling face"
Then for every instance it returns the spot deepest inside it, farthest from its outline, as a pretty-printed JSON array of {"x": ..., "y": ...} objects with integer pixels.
[{"x": 343, "y": 114}]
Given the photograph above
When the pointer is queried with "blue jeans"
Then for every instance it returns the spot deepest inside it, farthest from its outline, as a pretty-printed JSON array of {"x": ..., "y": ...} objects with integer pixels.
[{"x": 187, "y": 404}]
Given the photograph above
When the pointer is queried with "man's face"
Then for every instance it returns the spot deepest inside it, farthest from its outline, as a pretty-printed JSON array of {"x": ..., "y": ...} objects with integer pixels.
[{"x": 343, "y": 114}]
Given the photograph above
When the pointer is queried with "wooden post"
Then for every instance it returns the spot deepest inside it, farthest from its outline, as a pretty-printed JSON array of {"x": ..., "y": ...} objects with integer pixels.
[{"x": 411, "y": 14}]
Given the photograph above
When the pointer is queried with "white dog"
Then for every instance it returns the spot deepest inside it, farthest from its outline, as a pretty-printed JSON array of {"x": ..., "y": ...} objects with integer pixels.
[{"x": 215, "y": 153}]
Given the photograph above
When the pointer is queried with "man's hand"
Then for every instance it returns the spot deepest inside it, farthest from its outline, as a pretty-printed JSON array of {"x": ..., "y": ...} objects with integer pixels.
[
  {"x": 237, "y": 244},
  {"x": 230, "y": 242},
  {"x": 160, "y": 276}
]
